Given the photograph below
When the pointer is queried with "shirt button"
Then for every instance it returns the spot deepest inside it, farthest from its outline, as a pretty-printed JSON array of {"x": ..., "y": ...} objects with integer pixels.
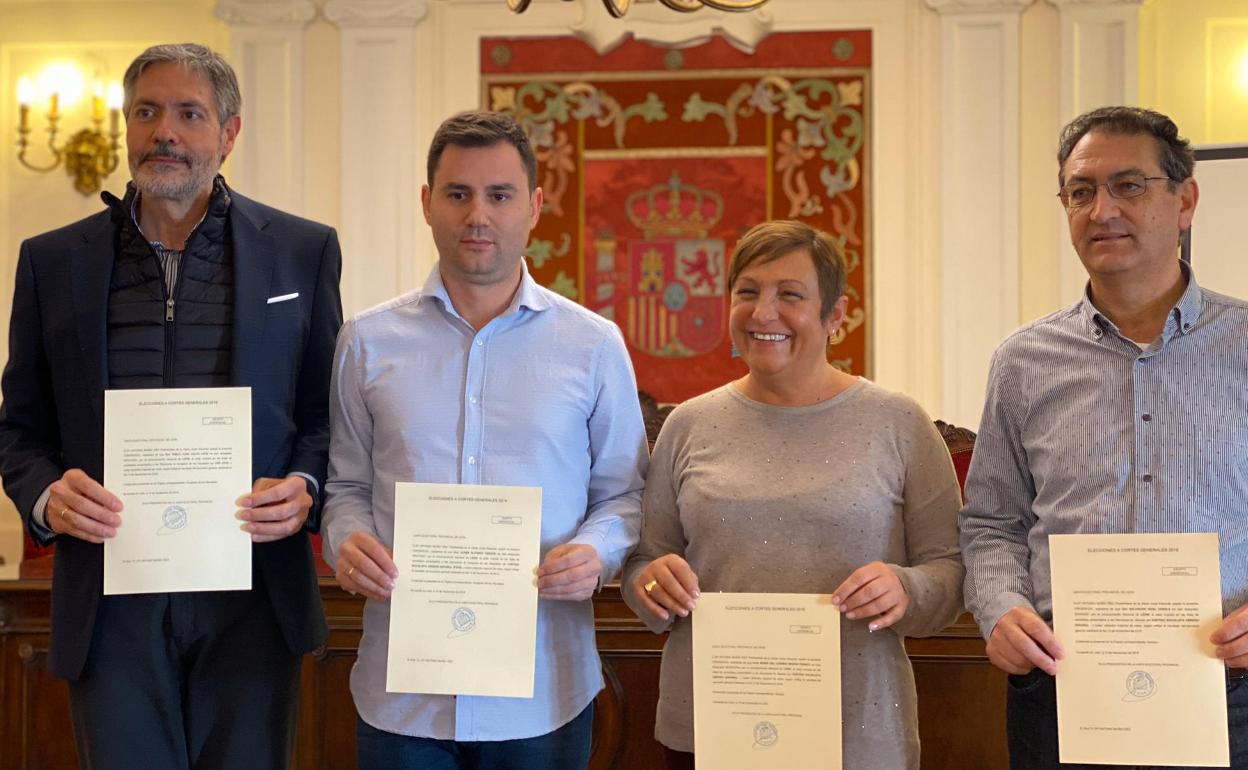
[
  {"x": 480, "y": 343},
  {"x": 1146, "y": 477},
  {"x": 1146, "y": 417},
  {"x": 473, "y": 399},
  {"x": 472, "y": 460}
]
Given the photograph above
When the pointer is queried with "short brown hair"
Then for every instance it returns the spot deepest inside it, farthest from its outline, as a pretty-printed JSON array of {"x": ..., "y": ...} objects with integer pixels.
[
  {"x": 771, "y": 240},
  {"x": 482, "y": 129}
]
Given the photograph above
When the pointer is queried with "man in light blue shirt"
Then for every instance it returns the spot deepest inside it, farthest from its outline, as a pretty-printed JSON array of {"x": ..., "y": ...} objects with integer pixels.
[{"x": 484, "y": 377}]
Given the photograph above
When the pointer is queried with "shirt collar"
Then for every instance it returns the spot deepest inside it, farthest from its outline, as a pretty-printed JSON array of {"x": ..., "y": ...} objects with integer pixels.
[
  {"x": 529, "y": 295},
  {"x": 1187, "y": 309},
  {"x": 218, "y": 188},
  {"x": 1185, "y": 313}
]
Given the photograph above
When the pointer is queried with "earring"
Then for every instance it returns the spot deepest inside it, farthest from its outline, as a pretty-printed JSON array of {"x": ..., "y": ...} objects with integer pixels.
[{"x": 837, "y": 337}]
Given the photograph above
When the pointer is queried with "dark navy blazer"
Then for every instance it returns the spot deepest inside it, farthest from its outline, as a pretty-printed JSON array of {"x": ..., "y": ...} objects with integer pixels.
[{"x": 52, "y": 416}]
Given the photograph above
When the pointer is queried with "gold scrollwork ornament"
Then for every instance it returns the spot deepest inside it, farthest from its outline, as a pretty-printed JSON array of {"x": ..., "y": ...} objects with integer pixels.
[
  {"x": 684, "y": 6},
  {"x": 618, "y": 8},
  {"x": 734, "y": 5}
]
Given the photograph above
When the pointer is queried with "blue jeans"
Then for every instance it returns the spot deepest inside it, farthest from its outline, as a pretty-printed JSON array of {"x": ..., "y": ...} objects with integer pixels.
[
  {"x": 1031, "y": 724},
  {"x": 567, "y": 748}
]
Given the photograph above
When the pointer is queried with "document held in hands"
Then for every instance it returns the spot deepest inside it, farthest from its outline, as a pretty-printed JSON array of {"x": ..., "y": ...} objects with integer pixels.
[
  {"x": 179, "y": 459},
  {"x": 1139, "y": 683},
  {"x": 766, "y": 681},
  {"x": 463, "y": 613}
]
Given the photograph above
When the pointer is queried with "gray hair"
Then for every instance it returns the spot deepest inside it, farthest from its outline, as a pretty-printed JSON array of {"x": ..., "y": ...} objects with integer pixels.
[{"x": 195, "y": 58}]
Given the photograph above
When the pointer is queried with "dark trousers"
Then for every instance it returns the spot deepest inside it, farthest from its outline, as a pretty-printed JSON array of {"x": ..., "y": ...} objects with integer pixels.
[
  {"x": 1031, "y": 724},
  {"x": 186, "y": 681},
  {"x": 566, "y": 748}
]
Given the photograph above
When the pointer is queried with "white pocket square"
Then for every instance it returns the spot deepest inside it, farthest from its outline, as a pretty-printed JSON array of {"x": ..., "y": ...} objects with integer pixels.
[{"x": 282, "y": 298}]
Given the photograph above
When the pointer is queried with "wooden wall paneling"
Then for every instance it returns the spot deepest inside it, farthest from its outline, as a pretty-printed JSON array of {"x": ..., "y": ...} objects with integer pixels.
[
  {"x": 624, "y": 710},
  {"x": 961, "y": 700},
  {"x": 961, "y": 696},
  {"x": 34, "y": 726},
  {"x": 326, "y": 737}
]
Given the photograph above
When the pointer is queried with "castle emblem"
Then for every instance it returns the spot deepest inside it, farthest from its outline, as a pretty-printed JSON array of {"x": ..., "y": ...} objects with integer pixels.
[{"x": 672, "y": 298}]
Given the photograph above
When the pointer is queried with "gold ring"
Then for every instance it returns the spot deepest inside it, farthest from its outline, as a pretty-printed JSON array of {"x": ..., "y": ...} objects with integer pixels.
[
  {"x": 350, "y": 571},
  {"x": 65, "y": 514},
  {"x": 648, "y": 587}
]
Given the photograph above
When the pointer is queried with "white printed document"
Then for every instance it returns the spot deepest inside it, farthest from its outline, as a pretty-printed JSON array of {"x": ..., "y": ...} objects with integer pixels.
[
  {"x": 766, "y": 681},
  {"x": 463, "y": 613},
  {"x": 1139, "y": 684},
  {"x": 179, "y": 459}
]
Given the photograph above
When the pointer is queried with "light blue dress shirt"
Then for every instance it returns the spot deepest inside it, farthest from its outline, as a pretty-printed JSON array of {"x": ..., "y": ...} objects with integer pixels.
[{"x": 543, "y": 395}]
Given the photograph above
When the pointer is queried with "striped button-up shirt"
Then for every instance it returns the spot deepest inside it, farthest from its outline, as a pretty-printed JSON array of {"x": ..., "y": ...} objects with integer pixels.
[
  {"x": 170, "y": 259},
  {"x": 1085, "y": 432}
]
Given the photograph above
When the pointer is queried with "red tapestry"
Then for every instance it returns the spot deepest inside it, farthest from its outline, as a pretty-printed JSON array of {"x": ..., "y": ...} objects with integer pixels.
[{"x": 654, "y": 161}]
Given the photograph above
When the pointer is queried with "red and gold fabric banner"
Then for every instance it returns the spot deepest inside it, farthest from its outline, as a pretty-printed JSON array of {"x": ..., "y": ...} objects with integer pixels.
[{"x": 654, "y": 161}]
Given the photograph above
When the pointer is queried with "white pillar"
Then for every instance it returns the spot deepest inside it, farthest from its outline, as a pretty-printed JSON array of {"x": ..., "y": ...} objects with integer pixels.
[
  {"x": 380, "y": 200},
  {"x": 978, "y": 192},
  {"x": 1100, "y": 66},
  {"x": 266, "y": 51}
]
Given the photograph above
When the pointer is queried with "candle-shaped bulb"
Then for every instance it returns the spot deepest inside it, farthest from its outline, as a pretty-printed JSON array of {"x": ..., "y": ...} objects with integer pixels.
[
  {"x": 25, "y": 91},
  {"x": 115, "y": 96},
  {"x": 97, "y": 102}
]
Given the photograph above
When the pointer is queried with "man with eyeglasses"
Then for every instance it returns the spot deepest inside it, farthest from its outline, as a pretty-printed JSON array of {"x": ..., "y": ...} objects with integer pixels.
[{"x": 1124, "y": 412}]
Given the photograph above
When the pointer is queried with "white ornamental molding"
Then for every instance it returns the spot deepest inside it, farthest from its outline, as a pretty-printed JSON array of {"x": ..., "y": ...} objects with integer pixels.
[
  {"x": 375, "y": 13},
  {"x": 265, "y": 13},
  {"x": 1063, "y": 4},
  {"x": 652, "y": 23},
  {"x": 978, "y": 6}
]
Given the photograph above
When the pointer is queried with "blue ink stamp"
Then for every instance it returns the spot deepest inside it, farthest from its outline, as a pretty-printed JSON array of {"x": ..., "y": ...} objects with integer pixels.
[
  {"x": 463, "y": 620},
  {"x": 1140, "y": 686},
  {"x": 765, "y": 735},
  {"x": 173, "y": 518}
]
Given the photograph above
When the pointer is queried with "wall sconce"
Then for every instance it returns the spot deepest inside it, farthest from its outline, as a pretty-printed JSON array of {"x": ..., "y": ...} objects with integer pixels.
[{"x": 89, "y": 155}]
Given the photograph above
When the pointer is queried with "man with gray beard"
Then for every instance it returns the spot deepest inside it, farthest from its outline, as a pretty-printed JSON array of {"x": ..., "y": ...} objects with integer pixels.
[{"x": 183, "y": 283}]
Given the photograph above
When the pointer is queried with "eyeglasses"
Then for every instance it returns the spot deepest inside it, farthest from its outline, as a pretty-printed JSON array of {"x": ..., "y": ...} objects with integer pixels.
[{"x": 1078, "y": 194}]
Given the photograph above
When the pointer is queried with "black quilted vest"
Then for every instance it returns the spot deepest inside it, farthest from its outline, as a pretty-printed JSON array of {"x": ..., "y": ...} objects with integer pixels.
[{"x": 183, "y": 344}]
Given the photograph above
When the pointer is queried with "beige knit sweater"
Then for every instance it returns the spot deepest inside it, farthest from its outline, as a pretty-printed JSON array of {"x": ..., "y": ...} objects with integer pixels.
[{"x": 793, "y": 499}]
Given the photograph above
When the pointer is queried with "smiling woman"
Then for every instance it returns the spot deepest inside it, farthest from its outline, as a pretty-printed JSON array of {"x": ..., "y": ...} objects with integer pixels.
[
  {"x": 765, "y": 485},
  {"x": 788, "y": 299}
]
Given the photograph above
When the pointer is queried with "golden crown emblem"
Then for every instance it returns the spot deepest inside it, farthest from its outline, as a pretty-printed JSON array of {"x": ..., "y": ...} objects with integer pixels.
[{"x": 674, "y": 210}]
